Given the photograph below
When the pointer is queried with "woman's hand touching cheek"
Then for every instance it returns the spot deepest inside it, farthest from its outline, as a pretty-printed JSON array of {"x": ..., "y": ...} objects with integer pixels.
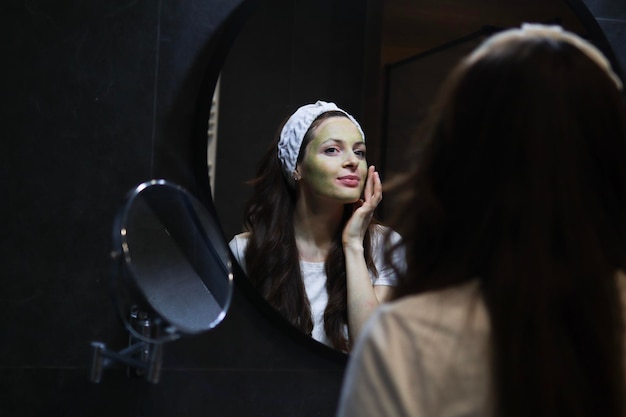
[{"x": 354, "y": 231}]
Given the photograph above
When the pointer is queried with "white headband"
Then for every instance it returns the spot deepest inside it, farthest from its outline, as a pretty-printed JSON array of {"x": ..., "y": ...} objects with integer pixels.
[
  {"x": 295, "y": 128},
  {"x": 550, "y": 32}
]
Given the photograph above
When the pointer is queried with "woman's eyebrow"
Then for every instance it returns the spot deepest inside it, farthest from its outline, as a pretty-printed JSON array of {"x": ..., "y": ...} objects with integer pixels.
[
  {"x": 331, "y": 140},
  {"x": 341, "y": 141}
]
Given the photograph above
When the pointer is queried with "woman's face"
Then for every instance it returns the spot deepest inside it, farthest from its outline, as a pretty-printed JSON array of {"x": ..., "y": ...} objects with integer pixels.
[{"x": 334, "y": 165}]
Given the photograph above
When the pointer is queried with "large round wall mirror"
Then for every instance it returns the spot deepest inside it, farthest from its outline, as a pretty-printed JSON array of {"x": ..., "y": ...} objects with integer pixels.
[{"x": 382, "y": 61}]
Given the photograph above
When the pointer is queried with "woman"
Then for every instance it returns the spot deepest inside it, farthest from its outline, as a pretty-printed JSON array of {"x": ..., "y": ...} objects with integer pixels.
[
  {"x": 310, "y": 245},
  {"x": 514, "y": 296}
]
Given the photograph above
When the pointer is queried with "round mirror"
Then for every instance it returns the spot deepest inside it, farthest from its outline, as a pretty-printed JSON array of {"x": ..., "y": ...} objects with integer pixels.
[
  {"x": 382, "y": 61},
  {"x": 173, "y": 263}
]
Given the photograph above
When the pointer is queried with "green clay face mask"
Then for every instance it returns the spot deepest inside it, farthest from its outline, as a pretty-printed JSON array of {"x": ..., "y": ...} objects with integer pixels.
[{"x": 334, "y": 165}]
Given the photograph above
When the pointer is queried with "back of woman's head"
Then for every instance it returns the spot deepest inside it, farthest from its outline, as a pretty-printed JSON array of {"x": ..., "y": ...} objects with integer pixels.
[
  {"x": 521, "y": 181},
  {"x": 526, "y": 134}
]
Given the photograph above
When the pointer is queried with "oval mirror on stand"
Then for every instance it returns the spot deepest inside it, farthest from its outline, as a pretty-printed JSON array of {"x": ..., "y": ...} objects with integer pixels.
[{"x": 172, "y": 274}]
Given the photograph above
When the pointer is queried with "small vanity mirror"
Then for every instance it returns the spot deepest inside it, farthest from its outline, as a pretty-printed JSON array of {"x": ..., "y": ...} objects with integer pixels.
[{"x": 172, "y": 275}]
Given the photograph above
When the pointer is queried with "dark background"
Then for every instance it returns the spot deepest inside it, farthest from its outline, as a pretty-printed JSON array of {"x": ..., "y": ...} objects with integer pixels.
[{"x": 101, "y": 95}]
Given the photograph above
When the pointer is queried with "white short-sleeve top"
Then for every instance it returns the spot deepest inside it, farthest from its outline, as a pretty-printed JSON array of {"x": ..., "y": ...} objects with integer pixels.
[{"x": 314, "y": 275}]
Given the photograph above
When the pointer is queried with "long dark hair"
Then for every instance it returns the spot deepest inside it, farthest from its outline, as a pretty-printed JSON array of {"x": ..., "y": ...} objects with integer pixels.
[
  {"x": 272, "y": 258},
  {"x": 520, "y": 182}
]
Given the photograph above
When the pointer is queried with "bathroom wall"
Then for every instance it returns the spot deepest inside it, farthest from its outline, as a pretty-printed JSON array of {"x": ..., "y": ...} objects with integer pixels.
[
  {"x": 611, "y": 18},
  {"x": 99, "y": 96}
]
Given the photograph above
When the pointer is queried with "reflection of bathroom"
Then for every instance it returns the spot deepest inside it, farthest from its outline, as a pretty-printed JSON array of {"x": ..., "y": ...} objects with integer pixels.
[
  {"x": 381, "y": 56},
  {"x": 103, "y": 96}
]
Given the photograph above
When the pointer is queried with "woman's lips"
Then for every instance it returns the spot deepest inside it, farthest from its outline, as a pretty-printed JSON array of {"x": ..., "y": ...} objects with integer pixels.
[{"x": 349, "y": 180}]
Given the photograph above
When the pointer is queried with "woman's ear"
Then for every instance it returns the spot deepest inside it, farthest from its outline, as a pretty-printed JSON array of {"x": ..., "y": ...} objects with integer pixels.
[{"x": 296, "y": 174}]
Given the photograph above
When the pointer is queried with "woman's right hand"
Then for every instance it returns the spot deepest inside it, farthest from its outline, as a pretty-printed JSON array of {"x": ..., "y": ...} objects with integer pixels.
[{"x": 354, "y": 231}]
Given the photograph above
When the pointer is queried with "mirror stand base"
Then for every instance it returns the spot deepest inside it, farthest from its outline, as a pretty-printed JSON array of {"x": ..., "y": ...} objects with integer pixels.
[{"x": 150, "y": 363}]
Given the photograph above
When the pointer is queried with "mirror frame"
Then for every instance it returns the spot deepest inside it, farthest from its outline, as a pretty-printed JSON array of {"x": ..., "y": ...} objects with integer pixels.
[{"x": 227, "y": 38}]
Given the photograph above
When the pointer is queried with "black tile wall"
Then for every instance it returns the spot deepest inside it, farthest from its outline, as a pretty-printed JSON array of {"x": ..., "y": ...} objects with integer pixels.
[
  {"x": 611, "y": 16},
  {"x": 607, "y": 9},
  {"x": 97, "y": 97}
]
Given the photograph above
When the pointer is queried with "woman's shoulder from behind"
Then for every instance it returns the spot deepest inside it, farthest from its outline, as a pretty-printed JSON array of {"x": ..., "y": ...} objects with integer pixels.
[
  {"x": 424, "y": 354},
  {"x": 448, "y": 329},
  {"x": 451, "y": 310}
]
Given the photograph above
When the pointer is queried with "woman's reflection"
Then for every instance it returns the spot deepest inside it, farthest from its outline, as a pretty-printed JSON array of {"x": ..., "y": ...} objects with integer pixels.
[{"x": 311, "y": 246}]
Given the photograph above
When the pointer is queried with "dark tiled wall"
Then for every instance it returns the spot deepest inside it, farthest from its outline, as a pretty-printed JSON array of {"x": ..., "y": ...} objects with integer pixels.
[
  {"x": 97, "y": 97},
  {"x": 611, "y": 16}
]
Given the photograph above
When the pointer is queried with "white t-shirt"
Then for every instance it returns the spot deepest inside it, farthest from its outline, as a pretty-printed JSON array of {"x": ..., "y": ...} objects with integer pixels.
[{"x": 314, "y": 276}]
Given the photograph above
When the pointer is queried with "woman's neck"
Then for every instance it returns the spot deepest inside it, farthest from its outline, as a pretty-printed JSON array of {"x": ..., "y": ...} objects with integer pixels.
[{"x": 314, "y": 230}]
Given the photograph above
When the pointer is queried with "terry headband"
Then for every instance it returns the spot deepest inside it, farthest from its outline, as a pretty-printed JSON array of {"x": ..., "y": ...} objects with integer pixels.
[
  {"x": 550, "y": 32},
  {"x": 295, "y": 128}
]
